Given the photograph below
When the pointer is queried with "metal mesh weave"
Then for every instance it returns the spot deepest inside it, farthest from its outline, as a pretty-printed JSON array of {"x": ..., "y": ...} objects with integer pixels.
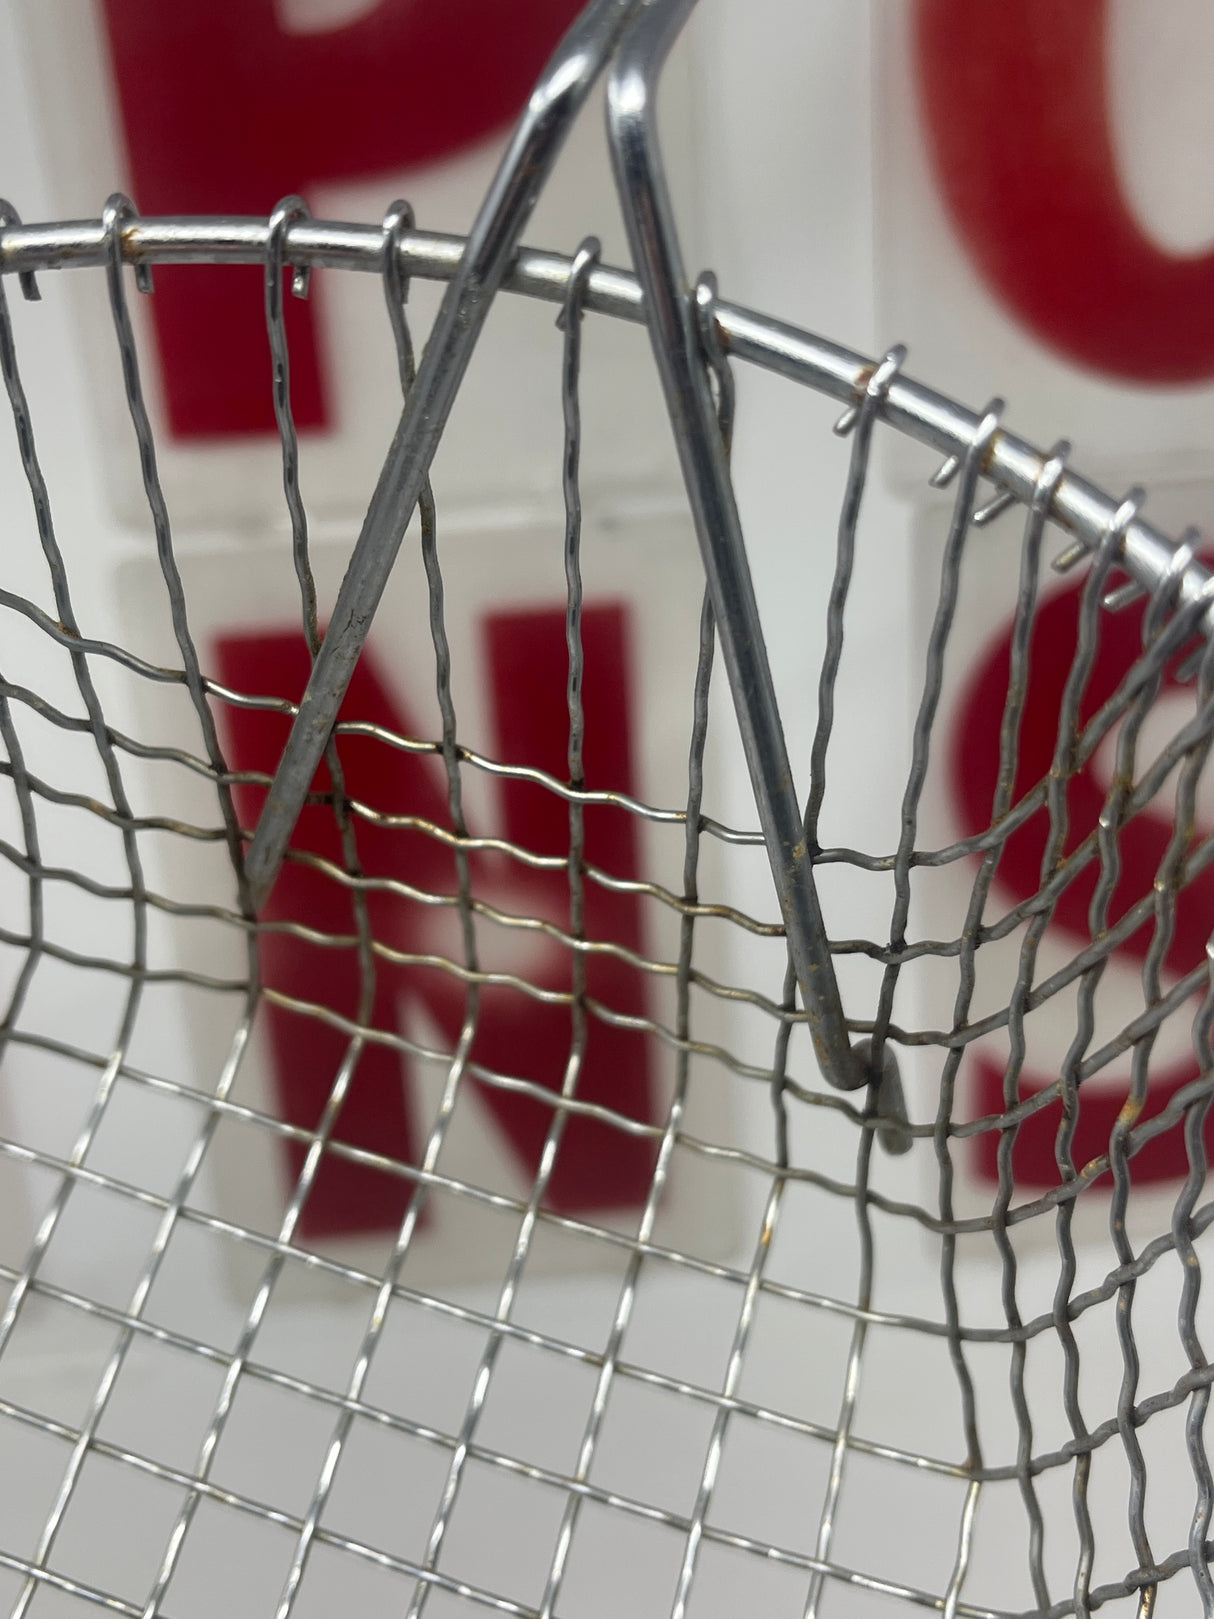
[{"x": 1046, "y": 1382}]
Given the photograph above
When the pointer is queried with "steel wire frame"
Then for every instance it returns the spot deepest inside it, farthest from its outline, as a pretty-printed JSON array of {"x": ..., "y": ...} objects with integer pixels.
[{"x": 976, "y": 448}]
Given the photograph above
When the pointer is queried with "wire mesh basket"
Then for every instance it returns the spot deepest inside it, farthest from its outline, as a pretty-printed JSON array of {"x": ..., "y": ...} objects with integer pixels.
[{"x": 918, "y": 1387}]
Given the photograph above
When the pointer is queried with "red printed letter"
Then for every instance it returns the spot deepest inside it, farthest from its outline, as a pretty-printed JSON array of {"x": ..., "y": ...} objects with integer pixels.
[
  {"x": 1142, "y": 843},
  {"x": 225, "y": 112},
  {"x": 1015, "y": 105},
  {"x": 517, "y": 1034}
]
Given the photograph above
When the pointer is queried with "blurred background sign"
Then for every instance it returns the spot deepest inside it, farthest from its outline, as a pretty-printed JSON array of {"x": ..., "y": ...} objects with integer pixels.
[
  {"x": 1045, "y": 222},
  {"x": 1044, "y": 233},
  {"x": 225, "y": 110},
  {"x": 215, "y": 109},
  {"x": 201, "y": 108}
]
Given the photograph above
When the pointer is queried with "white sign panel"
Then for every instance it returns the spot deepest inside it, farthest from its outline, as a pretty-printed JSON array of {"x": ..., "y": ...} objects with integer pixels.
[{"x": 1043, "y": 220}]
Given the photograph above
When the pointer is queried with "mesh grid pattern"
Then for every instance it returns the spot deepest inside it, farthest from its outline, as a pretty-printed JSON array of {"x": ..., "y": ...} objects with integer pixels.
[{"x": 710, "y": 1531}]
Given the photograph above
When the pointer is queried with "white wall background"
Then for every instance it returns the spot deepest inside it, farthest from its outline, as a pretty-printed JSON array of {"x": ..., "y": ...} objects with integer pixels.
[{"x": 783, "y": 208}]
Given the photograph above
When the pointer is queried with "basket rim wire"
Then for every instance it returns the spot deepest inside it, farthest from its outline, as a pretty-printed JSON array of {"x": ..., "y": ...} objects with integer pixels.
[{"x": 872, "y": 392}]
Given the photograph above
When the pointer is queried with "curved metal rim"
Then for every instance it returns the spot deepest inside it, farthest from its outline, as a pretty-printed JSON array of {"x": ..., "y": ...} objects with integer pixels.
[{"x": 1014, "y": 465}]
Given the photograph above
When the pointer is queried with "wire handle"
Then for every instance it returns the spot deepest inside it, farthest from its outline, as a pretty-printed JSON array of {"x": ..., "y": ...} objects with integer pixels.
[
  {"x": 675, "y": 331},
  {"x": 635, "y": 36},
  {"x": 555, "y": 102}
]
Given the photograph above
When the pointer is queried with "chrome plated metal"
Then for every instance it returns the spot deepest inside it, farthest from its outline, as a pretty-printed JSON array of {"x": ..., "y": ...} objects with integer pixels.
[
  {"x": 554, "y": 103},
  {"x": 678, "y": 347},
  {"x": 1050, "y": 1481}
]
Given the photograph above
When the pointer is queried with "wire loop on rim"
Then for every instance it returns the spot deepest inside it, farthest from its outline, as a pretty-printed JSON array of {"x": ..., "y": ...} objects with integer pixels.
[
  {"x": 993, "y": 508},
  {"x": 875, "y": 389},
  {"x": 1186, "y": 549},
  {"x": 288, "y": 211},
  {"x": 582, "y": 265},
  {"x": 26, "y": 279},
  {"x": 1053, "y": 470},
  {"x": 1113, "y": 538},
  {"x": 119, "y": 211},
  {"x": 397, "y": 223},
  {"x": 706, "y": 301},
  {"x": 988, "y": 428}
]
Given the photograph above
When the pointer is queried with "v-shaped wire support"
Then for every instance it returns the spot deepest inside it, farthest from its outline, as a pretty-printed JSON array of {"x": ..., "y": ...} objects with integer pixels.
[
  {"x": 635, "y": 36},
  {"x": 553, "y": 106},
  {"x": 675, "y": 332}
]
